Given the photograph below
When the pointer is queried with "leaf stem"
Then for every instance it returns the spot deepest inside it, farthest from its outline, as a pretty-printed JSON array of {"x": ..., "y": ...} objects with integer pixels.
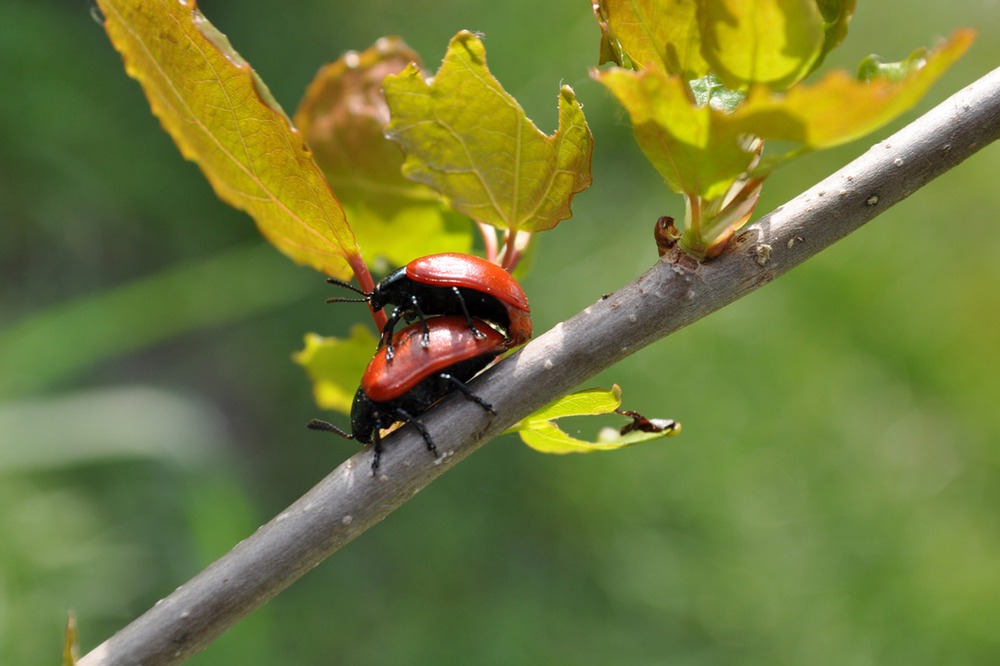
[
  {"x": 489, "y": 240},
  {"x": 367, "y": 284}
]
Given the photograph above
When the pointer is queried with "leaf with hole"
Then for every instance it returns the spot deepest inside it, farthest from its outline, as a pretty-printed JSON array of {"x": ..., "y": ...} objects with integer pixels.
[{"x": 540, "y": 432}]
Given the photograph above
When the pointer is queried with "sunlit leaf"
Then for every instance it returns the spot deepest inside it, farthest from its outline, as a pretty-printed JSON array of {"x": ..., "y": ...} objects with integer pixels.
[
  {"x": 224, "y": 118},
  {"x": 469, "y": 139},
  {"x": 663, "y": 34},
  {"x": 343, "y": 118},
  {"x": 692, "y": 146},
  {"x": 839, "y": 108},
  {"x": 335, "y": 366},
  {"x": 540, "y": 432},
  {"x": 770, "y": 42}
]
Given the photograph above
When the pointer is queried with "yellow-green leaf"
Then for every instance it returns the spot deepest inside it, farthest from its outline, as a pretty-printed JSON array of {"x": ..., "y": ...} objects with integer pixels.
[
  {"x": 693, "y": 147},
  {"x": 839, "y": 108},
  {"x": 540, "y": 432},
  {"x": 467, "y": 138},
  {"x": 663, "y": 34},
  {"x": 343, "y": 118},
  {"x": 770, "y": 42},
  {"x": 335, "y": 366},
  {"x": 222, "y": 116}
]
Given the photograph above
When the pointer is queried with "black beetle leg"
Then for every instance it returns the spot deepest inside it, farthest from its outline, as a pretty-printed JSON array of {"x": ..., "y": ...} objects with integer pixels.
[
  {"x": 404, "y": 415},
  {"x": 377, "y": 445},
  {"x": 425, "y": 341},
  {"x": 468, "y": 318},
  {"x": 467, "y": 392},
  {"x": 387, "y": 330}
]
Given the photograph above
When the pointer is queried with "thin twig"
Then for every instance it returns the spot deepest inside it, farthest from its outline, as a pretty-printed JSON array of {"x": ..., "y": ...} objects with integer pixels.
[{"x": 671, "y": 295}]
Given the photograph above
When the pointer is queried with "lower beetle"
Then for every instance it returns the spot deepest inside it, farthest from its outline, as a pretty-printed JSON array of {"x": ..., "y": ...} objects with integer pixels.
[{"x": 402, "y": 388}]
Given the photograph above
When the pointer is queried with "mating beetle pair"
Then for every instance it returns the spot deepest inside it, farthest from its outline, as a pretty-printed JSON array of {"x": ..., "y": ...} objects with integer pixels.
[
  {"x": 448, "y": 283},
  {"x": 457, "y": 303}
]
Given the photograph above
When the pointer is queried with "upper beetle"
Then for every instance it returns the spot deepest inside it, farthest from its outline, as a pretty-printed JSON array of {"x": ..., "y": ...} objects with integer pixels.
[
  {"x": 448, "y": 284},
  {"x": 404, "y": 387}
]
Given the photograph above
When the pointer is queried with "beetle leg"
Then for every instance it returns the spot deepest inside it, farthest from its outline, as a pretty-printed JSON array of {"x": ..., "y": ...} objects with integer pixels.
[
  {"x": 468, "y": 318},
  {"x": 467, "y": 392},
  {"x": 377, "y": 445},
  {"x": 387, "y": 330},
  {"x": 425, "y": 341},
  {"x": 404, "y": 415}
]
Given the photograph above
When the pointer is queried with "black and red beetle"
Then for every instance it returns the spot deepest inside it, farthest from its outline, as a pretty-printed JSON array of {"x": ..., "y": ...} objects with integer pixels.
[
  {"x": 448, "y": 284},
  {"x": 415, "y": 378}
]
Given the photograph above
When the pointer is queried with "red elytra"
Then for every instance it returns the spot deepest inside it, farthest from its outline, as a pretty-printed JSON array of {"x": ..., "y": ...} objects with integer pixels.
[{"x": 450, "y": 342}]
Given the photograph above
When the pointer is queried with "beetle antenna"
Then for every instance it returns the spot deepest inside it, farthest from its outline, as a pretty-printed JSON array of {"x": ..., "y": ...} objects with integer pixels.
[
  {"x": 348, "y": 285},
  {"x": 317, "y": 424}
]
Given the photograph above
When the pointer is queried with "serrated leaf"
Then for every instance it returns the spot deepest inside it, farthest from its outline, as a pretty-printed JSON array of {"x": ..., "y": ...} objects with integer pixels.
[
  {"x": 467, "y": 138},
  {"x": 540, "y": 432},
  {"x": 769, "y": 42},
  {"x": 839, "y": 108},
  {"x": 335, "y": 366},
  {"x": 693, "y": 147},
  {"x": 222, "y": 116},
  {"x": 343, "y": 118},
  {"x": 663, "y": 34}
]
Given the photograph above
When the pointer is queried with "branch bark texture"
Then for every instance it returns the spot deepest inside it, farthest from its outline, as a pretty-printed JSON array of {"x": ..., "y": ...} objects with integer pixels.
[{"x": 674, "y": 293}]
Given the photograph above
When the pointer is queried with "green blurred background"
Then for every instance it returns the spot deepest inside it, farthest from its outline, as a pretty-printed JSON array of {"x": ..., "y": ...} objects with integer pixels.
[{"x": 834, "y": 498}]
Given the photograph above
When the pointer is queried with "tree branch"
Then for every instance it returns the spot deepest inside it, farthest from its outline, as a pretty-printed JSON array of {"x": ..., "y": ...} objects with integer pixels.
[{"x": 674, "y": 293}]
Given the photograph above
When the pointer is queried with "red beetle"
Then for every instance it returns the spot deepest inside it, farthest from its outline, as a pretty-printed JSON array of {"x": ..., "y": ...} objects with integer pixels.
[
  {"x": 446, "y": 284},
  {"x": 404, "y": 387}
]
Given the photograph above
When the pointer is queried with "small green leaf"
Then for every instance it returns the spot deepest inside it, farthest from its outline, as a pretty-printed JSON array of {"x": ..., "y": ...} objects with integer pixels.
[
  {"x": 343, "y": 118},
  {"x": 467, "y": 138},
  {"x": 541, "y": 433},
  {"x": 335, "y": 366},
  {"x": 770, "y": 42},
  {"x": 663, "y": 34},
  {"x": 693, "y": 147},
  {"x": 872, "y": 68}
]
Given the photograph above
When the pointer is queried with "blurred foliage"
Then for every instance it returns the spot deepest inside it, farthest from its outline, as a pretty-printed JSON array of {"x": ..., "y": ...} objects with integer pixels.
[
  {"x": 833, "y": 498},
  {"x": 343, "y": 116}
]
